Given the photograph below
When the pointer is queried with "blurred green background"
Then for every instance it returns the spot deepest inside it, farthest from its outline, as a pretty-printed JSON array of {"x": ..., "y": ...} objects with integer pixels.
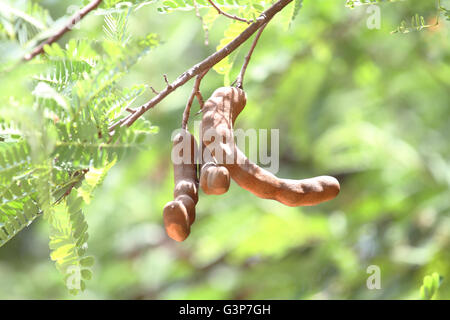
[{"x": 366, "y": 106}]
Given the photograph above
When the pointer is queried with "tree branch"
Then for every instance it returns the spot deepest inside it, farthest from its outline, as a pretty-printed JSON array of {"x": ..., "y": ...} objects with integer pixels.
[
  {"x": 240, "y": 78},
  {"x": 200, "y": 99},
  {"x": 73, "y": 21},
  {"x": 234, "y": 17},
  {"x": 204, "y": 65}
]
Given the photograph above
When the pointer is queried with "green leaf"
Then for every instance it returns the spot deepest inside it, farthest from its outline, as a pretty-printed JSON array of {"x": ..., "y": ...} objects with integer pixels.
[
  {"x": 87, "y": 261},
  {"x": 224, "y": 66},
  {"x": 431, "y": 284},
  {"x": 93, "y": 178},
  {"x": 86, "y": 274},
  {"x": 24, "y": 212},
  {"x": 297, "y": 6},
  {"x": 68, "y": 236}
]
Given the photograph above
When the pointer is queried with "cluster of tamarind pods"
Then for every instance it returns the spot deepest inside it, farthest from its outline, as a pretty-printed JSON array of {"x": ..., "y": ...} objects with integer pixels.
[{"x": 219, "y": 113}]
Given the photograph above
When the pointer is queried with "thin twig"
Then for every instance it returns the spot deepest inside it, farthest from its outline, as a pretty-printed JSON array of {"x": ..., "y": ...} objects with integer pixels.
[
  {"x": 234, "y": 17},
  {"x": 154, "y": 91},
  {"x": 166, "y": 80},
  {"x": 240, "y": 77},
  {"x": 195, "y": 90},
  {"x": 204, "y": 65},
  {"x": 201, "y": 102},
  {"x": 200, "y": 99},
  {"x": 204, "y": 26},
  {"x": 72, "y": 22}
]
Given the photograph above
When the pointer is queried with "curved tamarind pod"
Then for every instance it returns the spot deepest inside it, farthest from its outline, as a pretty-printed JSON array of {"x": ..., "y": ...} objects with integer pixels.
[
  {"x": 219, "y": 113},
  {"x": 214, "y": 179},
  {"x": 293, "y": 193},
  {"x": 176, "y": 220},
  {"x": 222, "y": 108}
]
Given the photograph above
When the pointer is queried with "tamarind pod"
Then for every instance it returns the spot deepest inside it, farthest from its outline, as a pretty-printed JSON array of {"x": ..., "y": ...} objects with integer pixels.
[
  {"x": 221, "y": 110},
  {"x": 203, "y": 183},
  {"x": 226, "y": 103},
  {"x": 179, "y": 214},
  {"x": 188, "y": 187},
  {"x": 176, "y": 220},
  {"x": 293, "y": 193},
  {"x": 218, "y": 179},
  {"x": 189, "y": 204},
  {"x": 214, "y": 179},
  {"x": 185, "y": 165},
  {"x": 219, "y": 113}
]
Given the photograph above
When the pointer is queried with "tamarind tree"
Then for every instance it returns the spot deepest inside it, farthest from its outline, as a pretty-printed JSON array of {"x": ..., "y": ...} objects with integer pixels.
[{"x": 70, "y": 112}]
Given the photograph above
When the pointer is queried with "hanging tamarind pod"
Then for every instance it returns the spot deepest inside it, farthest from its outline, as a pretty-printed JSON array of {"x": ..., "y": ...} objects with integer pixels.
[
  {"x": 179, "y": 214},
  {"x": 219, "y": 113}
]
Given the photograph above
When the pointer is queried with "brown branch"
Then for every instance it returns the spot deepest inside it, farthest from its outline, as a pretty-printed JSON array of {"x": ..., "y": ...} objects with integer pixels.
[
  {"x": 240, "y": 77},
  {"x": 201, "y": 102},
  {"x": 234, "y": 17},
  {"x": 194, "y": 93},
  {"x": 200, "y": 99},
  {"x": 73, "y": 21},
  {"x": 204, "y": 65}
]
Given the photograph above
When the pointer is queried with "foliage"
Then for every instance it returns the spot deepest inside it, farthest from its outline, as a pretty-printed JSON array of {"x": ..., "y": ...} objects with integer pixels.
[
  {"x": 56, "y": 139},
  {"x": 68, "y": 242},
  {"x": 418, "y": 22},
  {"x": 366, "y": 106},
  {"x": 353, "y": 3},
  {"x": 430, "y": 286}
]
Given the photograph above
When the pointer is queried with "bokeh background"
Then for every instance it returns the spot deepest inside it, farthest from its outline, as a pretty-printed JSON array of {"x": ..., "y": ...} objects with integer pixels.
[{"x": 367, "y": 106}]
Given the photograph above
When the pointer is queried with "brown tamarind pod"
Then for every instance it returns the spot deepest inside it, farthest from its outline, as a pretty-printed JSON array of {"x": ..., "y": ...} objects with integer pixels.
[
  {"x": 293, "y": 193},
  {"x": 180, "y": 214},
  {"x": 219, "y": 113},
  {"x": 184, "y": 153},
  {"x": 214, "y": 178},
  {"x": 176, "y": 220},
  {"x": 186, "y": 187},
  {"x": 189, "y": 204}
]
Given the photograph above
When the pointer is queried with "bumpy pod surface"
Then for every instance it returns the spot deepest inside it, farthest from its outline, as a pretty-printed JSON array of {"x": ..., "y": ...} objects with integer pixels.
[
  {"x": 219, "y": 113},
  {"x": 214, "y": 178},
  {"x": 176, "y": 220},
  {"x": 184, "y": 158}
]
